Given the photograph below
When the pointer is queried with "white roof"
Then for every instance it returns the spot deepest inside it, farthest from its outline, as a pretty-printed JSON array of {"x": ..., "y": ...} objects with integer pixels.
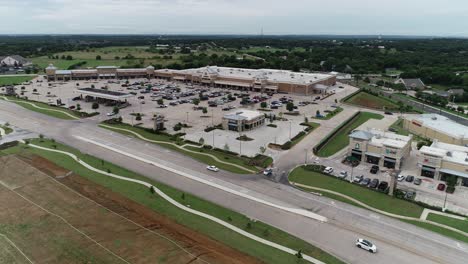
[
  {"x": 388, "y": 139},
  {"x": 268, "y": 74},
  {"x": 449, "y": 152},
  {"x": 443, "y": 124},
  {"x": 243, "y": 114}
]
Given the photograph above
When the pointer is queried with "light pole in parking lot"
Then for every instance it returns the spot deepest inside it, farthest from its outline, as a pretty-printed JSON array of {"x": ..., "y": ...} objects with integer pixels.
[
  {"x": 445, "y": 202},
  {"x": 290, "y": 130},
  {"x": 305, "y": 160}
]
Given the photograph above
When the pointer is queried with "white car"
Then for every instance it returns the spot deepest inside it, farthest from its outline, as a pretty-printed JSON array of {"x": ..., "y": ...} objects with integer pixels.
[
  {"x": 212, "y": 168},
  {"x": 162, "y": 106},
  {"x": 328, "y": 170},
  {"x": 111, "y": 114},
  {"x": 366, "y": 245},
  {"x": 400, "y": 178},
  {"x": 267, "y": 172},
  {"x": 343, "y": 174}
]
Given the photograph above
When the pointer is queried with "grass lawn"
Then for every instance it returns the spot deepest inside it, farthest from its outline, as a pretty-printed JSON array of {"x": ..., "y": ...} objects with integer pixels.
[
  {"x": 202, "y": 158},
  {"x": 439, "y": 230},
  {"x": 142, "y": 195},
  {"x": 371, "y": 101},
  {"x": 398, "y": 126},
  {"x": 455, "y": 223},
  {"x": 372, "y": 198},
  {"x": 434, "y": 106},
  {"x": 44, "y": 61},
  {"x": 14, "y": 80},
  {"x": 330, "y": 115},
  {"x": 341, "y": 139},
  {"x": 7, "y": 129},
  {"x": 25, "y": 104}
]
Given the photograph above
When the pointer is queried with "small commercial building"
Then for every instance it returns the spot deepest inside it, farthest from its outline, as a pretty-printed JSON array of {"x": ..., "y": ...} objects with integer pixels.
[
  {"x": 104, "y": 94},
  {"x": 441, "y": 160},
  {"x": 434, "y": 126},
  {"x": 243, "y": 120},
  {"x": 385, "y": 149}
]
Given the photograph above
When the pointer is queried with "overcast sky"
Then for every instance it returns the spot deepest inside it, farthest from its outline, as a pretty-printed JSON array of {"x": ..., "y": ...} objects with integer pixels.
[{"x": 402, "y": 17}]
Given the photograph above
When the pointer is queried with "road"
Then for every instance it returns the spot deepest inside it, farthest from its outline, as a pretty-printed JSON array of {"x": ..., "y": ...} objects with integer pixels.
[{"x": 398, "y": 242}]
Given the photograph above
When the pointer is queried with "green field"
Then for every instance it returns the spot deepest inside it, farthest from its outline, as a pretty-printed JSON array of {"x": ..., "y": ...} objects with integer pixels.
[
  {"x": 398, "y": 126},
  {"x": 453, "y": 222},
  {"x": 371, "y": 101},
  {"x": 142, "y": 195},
  {"x": 374, "y": 199},
  {"x": 341, "y": 139},
  {"x": 14, "y": 80},
  {"x": 202, "y": 158},
  {"x": 49, "y": 110},
  {"x": 7, "y": 129},
  {"x": 439, "y": 230}
]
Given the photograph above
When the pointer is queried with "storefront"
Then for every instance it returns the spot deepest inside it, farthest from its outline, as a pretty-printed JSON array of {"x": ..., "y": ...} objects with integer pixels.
[
  {"x": 372, "y": 158},
  {"x": 389, "y": 162},
  {"x": 427, "y": 171}
]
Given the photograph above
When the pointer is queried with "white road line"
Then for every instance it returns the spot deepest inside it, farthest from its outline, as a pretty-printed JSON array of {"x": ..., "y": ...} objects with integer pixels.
[{"x": 185, "y": 208}]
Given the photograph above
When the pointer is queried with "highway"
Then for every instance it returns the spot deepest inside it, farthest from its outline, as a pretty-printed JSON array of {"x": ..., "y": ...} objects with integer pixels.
[{"x": 397, "y": 241}]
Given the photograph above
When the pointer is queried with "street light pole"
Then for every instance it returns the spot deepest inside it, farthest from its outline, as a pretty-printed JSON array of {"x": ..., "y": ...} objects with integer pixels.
[
  {"x": 445, "y": 202},
  {"x": 305, "y": 161},
  {"x": 289, "y": 130},
  {"x": 240, "y": 144}
]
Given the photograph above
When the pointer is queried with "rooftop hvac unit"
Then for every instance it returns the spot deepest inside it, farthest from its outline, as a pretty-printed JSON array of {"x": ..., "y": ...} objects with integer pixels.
[
  {"x": 434, "y": 118},
  {"x": 449, "y": 154}
]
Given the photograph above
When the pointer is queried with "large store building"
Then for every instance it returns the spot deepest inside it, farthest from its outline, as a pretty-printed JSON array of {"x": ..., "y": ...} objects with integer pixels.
[
  {"x": 385, "y": 149},
  {"x": 441, "y": 160},
  {"x": 434, "y": 126},
  {"x": 262, "y": 80}
]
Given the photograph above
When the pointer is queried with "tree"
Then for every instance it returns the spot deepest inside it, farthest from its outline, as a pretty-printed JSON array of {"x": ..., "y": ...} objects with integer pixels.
[
  {"x": 95, "y": 105},
  {"x": 98, "y": 57},
  {"x": 460, "y": 109},
  {"x": 204, "y": 110},
  {"x": 160, "y": 101},
  {"x": 317, "y": 114},
  {"x": 249, "y": 225},
  {"x": 138, "y": 117},
  {"x": 196, "y": 101},
  {"x": 115, "y": 110},
  {"x": 336, "y": 101},
  {"x": 201, "y": 141},
  {"x": 152, "y": 189},
  {"x": 182, "y": 196},
  {"x": 226, "y": 147},
  {"x": 41, "y": 137},
  {"x": 263, "y": 105},
  {"x": 78, "y": 107},
  {"x": 306, "y": 120},
  {"x": 262, "y": 150},
  {"x": 299, "y": 254}
]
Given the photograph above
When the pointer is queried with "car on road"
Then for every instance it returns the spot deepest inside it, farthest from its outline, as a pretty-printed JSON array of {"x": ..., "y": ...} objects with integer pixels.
[
  {"x": 358, "y": 178},
  {"x": 417, "y": 181},
  {"x": 374, "y": 169},
  {"x": 388, "y": 113},
  {"x": 111, "y": 114},
  {"x": 409, "y": 178},
  {"x": 400, "y": 178},
  {"x": 343, "y": 174},
  {"x": 441, "y": 187},
  {"x": 374, "y": 183},
  {"x": 162, "y": 106},
  {"x": 268, "y": 172},
  {"x": 212, "y": 168},
  {"x": 365, "y": 182},
  {"x": 328, "y": 170},
  {"x": 382, "y": 186},
  {"x": 366, "y": 245}
]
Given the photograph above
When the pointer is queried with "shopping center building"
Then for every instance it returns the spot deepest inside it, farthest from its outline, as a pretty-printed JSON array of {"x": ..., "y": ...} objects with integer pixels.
[
  {"x": 385, "y": 149},
  {"x": 441, "y": 160},
  {"x": 434, "y": 126},
  {"x": 262, "y": 80}
]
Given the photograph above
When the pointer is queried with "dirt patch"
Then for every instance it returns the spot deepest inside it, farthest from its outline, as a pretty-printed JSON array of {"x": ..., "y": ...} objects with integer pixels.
[{"x": 200, "y": 245}]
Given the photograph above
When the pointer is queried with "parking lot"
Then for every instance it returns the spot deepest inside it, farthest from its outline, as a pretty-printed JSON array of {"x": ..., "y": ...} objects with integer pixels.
[{"x": 176, "y": 102}]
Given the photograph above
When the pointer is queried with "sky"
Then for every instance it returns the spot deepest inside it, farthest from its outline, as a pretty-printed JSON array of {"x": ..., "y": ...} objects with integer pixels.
[{"x": 303, "y": 17}]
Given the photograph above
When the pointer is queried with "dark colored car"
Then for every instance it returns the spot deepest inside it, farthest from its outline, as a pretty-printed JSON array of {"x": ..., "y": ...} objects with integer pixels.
[
  {"x": 409, "y": 178},
  {"x": 383, "y": 186},
  {"x": 388, "y": 113},
  {"x": 365, "y": 182},
  {"x": 417, "y": 181},
  {"x": 441, "y": 187},
  {"x": 374, "y": 169},
  {"x": 409, "y": 195},
  {"x": 374, "y": 183}
]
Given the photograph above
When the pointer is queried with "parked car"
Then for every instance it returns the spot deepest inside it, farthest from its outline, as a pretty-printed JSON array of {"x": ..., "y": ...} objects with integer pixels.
[
  {"x": 400, "y": 178},
  {"x": 111, "y": 114},
  {"x": 388, "y": 113},
  {"x": 374, "y": 169},
  {"x": 374, "y": 183},
  {"x": 391, "y": 129},
  {"x": 417, "y": 181},
  {"x": 365, "y": 182},
  {"x": 409, "y": 195},
  {"x": 366, "y": 245},
  {"x": 441, "y": 187},
  {"x": 358, "y": 178},
  {"x": 409, "y": 178},
  {"x": 212, "y": 168},
  {"x": 268, "y": 172},
  {"x": 383, "y": 186},
  {"x": 328, "y": 170},
  {"x": 162, "y": 106},
  {"x": 343, "y": 174}
]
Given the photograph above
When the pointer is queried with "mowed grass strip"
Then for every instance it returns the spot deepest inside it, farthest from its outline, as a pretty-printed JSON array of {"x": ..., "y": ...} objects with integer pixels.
[
  {"x": 14, "y": 80},
  {"x": 49, "y": 110},
  {"x": 167, "y": 142},
  {"x": 450, "y": 221},
  {"x": 371, "y": 101},
  {"x": 440, "y": 230},
  {"x": 142, "y": 195},
  {"x": 374, "y": 199},
  {"x": 341, "y": 139}
]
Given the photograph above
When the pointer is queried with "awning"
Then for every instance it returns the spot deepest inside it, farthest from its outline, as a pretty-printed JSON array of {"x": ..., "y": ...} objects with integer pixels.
[
  {"x": 456, "y": 173},
  {"x": 356, "y": 152},
  {"x": 233, "y": 83},
  {"x": 373, "y": 154},
  {"x": 389, "y": 160},
  {"x": 179, "y": 78},
  {"x": 107, "y": 75},
  {"x": 425, "y": 168}
]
